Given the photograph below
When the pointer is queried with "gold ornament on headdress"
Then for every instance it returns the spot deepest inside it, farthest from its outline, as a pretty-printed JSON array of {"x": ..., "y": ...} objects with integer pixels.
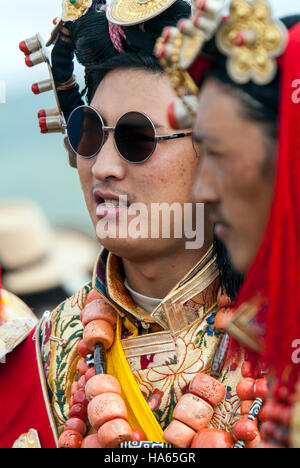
[
  {"x": 252, "y": 41},
  {"x": 131, "y": 12},
  {"x": 74, "y": 9},
  {"x": 179, "y": 47}
]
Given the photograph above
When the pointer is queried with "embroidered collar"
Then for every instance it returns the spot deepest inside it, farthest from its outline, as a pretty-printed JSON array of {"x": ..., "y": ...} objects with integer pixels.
[{"x": 108, "y": 279}]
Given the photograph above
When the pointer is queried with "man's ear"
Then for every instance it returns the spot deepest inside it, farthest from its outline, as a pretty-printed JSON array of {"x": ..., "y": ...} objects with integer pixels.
[{"x": 71, "y": 153}]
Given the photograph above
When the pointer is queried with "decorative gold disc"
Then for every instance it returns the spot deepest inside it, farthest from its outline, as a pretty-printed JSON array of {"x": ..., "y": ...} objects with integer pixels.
[
  {"x": 72, "y": 12},
  {"x": 264, "y": 40},
  {"x": 131, "y": 12}
]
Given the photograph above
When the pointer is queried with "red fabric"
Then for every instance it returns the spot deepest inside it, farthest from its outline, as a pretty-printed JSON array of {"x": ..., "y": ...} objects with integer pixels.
[
  {"x": 197, "y": 69},
  {"x": 275, "y": 273},
  {"x": 22, "y": 405},
  {"x": 1, "y": 305}
]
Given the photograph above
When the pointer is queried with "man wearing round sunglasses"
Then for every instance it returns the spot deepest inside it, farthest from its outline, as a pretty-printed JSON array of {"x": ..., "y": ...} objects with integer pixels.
[{"x": 164, "y": 294}]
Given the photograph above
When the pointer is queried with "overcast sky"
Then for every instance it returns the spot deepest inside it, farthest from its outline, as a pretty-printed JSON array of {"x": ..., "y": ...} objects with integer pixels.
[{"x": 21, "y": 19}]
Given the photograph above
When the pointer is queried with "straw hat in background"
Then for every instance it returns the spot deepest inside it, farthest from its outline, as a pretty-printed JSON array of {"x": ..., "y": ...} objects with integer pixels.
[{"x": 36, "y": 257}]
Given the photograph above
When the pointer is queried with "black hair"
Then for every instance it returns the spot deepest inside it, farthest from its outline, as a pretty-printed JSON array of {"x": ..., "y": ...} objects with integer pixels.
[
  {"x": 93, "y": 47},
  {"x": 125, "y": 61},
  {"x": 231, "y": 281}
]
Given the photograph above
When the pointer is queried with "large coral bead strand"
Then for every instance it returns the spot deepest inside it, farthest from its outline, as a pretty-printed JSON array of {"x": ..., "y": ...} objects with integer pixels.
[{"x": 194, "y": 411}]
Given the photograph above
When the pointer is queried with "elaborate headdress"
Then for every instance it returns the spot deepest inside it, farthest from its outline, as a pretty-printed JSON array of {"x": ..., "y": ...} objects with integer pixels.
[
  {"x": 94, "y": 32},
  {"x": 261, "y": 56}
]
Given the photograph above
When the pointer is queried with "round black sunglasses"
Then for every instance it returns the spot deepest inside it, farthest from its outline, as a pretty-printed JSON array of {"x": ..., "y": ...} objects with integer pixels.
[{"x": 135, "y": 135}]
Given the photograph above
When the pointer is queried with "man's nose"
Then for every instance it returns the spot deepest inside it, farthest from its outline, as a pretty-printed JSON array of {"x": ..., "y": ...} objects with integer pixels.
[
  {"x": 108, "y": 162},
  {"x": 206, "y": 187}
]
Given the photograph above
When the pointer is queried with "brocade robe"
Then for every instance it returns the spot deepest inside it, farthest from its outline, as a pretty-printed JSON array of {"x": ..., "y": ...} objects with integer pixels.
[{"x": 178, "y": 340}]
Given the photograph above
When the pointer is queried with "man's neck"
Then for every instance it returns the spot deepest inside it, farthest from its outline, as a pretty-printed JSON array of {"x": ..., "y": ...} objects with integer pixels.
[{"x": 156, "y": 276}]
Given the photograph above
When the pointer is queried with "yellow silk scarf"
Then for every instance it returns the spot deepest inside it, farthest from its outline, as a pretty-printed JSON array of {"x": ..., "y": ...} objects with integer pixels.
[{"x": 140, "y": 415}]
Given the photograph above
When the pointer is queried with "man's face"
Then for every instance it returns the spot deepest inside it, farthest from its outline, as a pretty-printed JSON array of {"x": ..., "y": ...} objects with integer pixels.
[
  {"x": 168, "y": 175},
  {"x": 236, "y": 173}
]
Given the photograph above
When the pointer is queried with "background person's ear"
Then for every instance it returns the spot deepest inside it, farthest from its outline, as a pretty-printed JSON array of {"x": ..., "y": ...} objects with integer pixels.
[{"x": 71, "y": 153}]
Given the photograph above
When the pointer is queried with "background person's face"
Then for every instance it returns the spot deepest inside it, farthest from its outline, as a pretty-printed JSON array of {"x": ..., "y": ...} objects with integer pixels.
[
  {"x": 168, "y": 175},
  {"x": 235, "y": 175}
]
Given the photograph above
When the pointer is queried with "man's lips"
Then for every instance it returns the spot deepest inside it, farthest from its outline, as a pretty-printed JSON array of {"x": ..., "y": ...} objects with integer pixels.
[
  {"x": 220, "y": 226},
  {"x": 109, "y": 204}
]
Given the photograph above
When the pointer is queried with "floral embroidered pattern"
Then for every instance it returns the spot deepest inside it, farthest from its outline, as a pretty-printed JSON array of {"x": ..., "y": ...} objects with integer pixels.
[
  {"x": 60, "y": 362},
  {"x": 209, "y": 330}
]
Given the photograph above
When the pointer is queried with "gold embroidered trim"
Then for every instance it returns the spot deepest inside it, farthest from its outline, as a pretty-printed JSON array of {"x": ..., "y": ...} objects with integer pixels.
[
  {"x": 149, "y": 344},
  {"x": 172, "y": 314},
  {"x": 44, "y": 384}
]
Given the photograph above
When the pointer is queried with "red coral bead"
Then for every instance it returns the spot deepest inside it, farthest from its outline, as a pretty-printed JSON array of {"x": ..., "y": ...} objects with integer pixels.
[
  {"x": 82, "y": 382},
  {"x": 74, "y": 388},
  {"x": 91, "y": 442},
  {"x": 78, "y": 411},
  {"x": 137, "y": 435},
  {"x": 260, "y": 389},
  {"x": 82, "y": 349},
  {"x": 82, "y": 366},
  {"x": 93, "y": 295},
  {"x": 244, "y": 389},
  {"x": 212, "y": 438},
  {"x": 245, "y": 430},
  {"x": 249, "y": 370},
  {"x": 246, "y": 406},
  {"x": 80, "y": 398},
  {"x": 70, "y": 439},
  {"x": 75, "y": 424},
  {"x": 90, "y": 373}
]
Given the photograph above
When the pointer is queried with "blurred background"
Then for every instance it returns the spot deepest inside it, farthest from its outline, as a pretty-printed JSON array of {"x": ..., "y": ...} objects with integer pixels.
[{"x": 34, "y": 166}]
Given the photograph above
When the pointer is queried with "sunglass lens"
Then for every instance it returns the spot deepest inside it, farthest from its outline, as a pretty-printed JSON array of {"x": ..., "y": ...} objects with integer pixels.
[
  {"x": 135, "y": 137},
  {"x": 85, "y": 131}
]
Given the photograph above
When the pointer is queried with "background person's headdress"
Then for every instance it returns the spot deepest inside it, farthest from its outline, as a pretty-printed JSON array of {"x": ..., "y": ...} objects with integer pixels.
[
  {"x": 94, "y": 32},
  {"x": 260, "y": 56},
  {"x": 247, "y": 43}
]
